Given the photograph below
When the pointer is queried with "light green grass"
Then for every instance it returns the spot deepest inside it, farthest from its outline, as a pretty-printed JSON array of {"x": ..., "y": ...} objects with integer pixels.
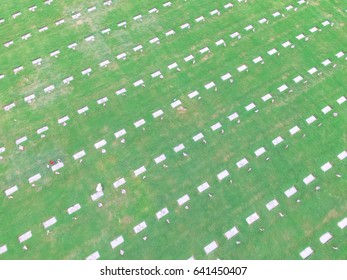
[{"x": 208, "y": 218}]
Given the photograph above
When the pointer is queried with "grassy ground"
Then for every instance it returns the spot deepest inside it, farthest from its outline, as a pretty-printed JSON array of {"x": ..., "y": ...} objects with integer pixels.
[{"x": 208, "y": 218}]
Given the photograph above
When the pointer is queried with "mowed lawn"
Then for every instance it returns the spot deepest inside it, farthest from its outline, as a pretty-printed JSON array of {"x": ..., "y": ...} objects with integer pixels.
[{"x": 307, "y": 215}]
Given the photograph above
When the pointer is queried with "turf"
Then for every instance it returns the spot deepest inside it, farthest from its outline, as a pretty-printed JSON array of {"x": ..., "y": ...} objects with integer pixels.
[{"x": 208, "y": 218}]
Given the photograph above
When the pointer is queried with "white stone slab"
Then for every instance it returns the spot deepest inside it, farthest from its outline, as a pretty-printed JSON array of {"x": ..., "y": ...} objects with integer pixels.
[
  {"x": 3, "y": 249},
  {"x": 167, "y": 4},
  {"x": 139, "y": 123},
  {"x": 138, "y": 48},
  {"x": 55, "y": 53},
  {"x": 342, "y": 224},
  {"x": 79, "y": 155},
  {"x": 26, "y": 36},
  {"x": 233, "y": 116},
  {"x": 276, "y": 14},
  {"x": 326, "y": 62},
  {"x": 188, "y": 58},
  {"x": 291, "y": 191},
  {"x": 139, "y": 171},
  {"x": 34, "y": 178},
  {"x": 29, "y": 98},
  {"x": 220, "y": 42},
  {"x": 266, "y": 97},
  {"x": 325, "y": 167},
  {"x": 97, "y": 195},
  {"x": 83, "y": 110},
  {"x": 313, "y": 29},
  {"x": 182, "y": 200},
  {"x": 306, "y": 253},
  {"x": 286, "y": 44},
  {"x": 21, "y": 140},
  {"x": 170, "y": 33},
  {"x": 235, "y": 34},
  {"x": 249, "y": 27},
  {"x": 121, "y": 56},
  {"x": 121, "y": 91},
  {"x": 215, "y": 12},
  {"x": 210, "y": 247},
  {"x": 228, "y": 5},
  {"x": 72, "y": 46},
  {"x": 57, "y": 166},
  {"x": 179, "y": 147},
  {"x": 272, "y": 51},
  {"x": 160, "y": 158},
  {"x": 9, "y": 107},
  {"x": 86, "y": 71},
  {"x": 340, "y": 54},
  {"x": 93, "y": 256},
  {"x": 312, "y": 70},
  {"x": 250, "y": 107},
  {"x": 120, "y": 133},
  {"x": 116, "y": 242},
  {"x": 258, "y": 59},
  {"x": 311, "y": 119},
  {"x": 11, "y": 190},
  {"x": 262, "y": 21},
  {"x": 203, "y": 187},
  {"x": 73, "y": 208},
  {"x": 18, "y": 69},
  {"x": 260, "y": 151},
  {"x": 68, "y": 80},
  {"x": 210, "y": 85},
  {"x": 223, "y": 175},
  {"x": 226, "y": 76},
  {"x": 24, "y": 237},
  {"x": 231, "y": 233},
  {"x": 326, "y": 110},
  {"x": 342, "y": 155},
  {"x": 204, "y": 50},
  {"x": 198, "y": 136},
  {"x": 300, "y": 36},
  {"x": 193, "y": 94},
  {"x": 50, "y": 222},
  {"x": 119, "y": 183},
  {"x": 298, "y": 79},
  {"x": 326, "y": 23},
  {"x": 185, "y": 26},
  {"x": 272, "y": 204},
  {"x": 158, "y": 113},
  {"x": 243, "y": 162},
  {"x": 104, "y": 63},
  {"x": 156, "y": 74},
  {"x": 100, "y": 144},
  {"x": 176, "y": 103},
  {"x": 154, "y": 40},
  {"x": 49, "y": 89},
  {"x": 282, "y": 88},
  {"x": 90, "y": 38},
  {"x": 163, "y": 212},
  {"x": 137, "y": 17},
  {"x": 153, "y": 10},
  {"x": 140, "y": 227},
  {"x": 121, "y": 24},
  {"x": 199, "y": 19},
  {"x": 309, "y": 179},
  {"x": 172, "y": 66},
  {"x": 294, "y": 130},
  {"x": 341, "y": 100},
  {"x": 325, "y": 237},
  {"x": 252, "y": 218},
  {"x": 102, "y": 100},
  {"x": 2, "y": 149},
  {"x": 106, "y": 31},
  {"x": 216, "y": 126},
  {"x": 138, "y": 83},
  {"x": 242, "y": 68},
  {"x": 277, "y": 140}
]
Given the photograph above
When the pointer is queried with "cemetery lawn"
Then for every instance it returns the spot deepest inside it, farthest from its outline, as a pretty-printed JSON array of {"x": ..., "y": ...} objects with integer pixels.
[{"x": 222, "y": 206}]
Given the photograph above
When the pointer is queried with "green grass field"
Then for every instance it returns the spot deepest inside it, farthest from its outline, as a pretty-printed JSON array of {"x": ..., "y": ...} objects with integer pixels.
[{"x": 308, "y": 214}]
